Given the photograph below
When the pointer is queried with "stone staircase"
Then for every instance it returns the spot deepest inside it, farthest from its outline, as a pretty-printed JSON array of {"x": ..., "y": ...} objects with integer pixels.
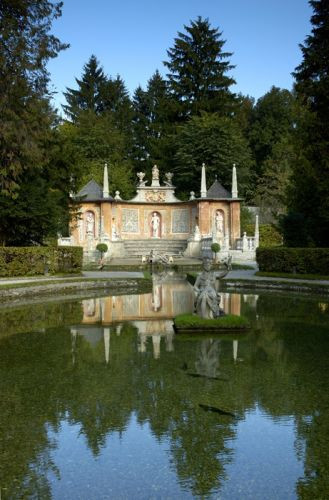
[{"x": 137, "y": 248}]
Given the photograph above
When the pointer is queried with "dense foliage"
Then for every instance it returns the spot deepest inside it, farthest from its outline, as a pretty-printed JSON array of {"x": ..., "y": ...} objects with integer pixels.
[
  {"x": 280, "y": 143},
  {"x": 293, "y": 260},
  {"x": 309, "y": 197},
  {"x": 269, "y": 235},
  {"x": 29, "y": 261}
]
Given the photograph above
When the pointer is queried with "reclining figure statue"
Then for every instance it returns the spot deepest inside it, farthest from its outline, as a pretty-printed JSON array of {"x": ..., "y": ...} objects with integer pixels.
[{"x": 206, "y": 298}]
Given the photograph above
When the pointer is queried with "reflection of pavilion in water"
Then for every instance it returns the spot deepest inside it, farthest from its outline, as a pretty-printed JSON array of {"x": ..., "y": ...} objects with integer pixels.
[{"x": 152, "y": 314}]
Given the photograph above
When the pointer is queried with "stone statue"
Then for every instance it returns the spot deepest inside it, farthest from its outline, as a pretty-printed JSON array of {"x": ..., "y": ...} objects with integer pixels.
[
  {"x": 141, "y": 176},
  {"x": 155, "y": 173},
  {"x": 219, "y": 222},
  {"x": 115, "y": 235},
  {"x": 206, "y": 300},
  {"x": 90, "y": 223},
  {"x": 197, "y": 234},
  {"x": 168, "y": 176},
  {"x": 155, "y": 225}
]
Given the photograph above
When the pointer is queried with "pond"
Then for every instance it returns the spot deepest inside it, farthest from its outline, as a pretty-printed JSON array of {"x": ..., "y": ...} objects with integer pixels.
[{"x": 100, "y": 399}]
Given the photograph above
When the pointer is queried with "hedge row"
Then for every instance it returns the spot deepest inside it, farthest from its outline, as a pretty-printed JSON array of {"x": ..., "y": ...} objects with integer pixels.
[
  {"x": 27, "y": 261},
  {"x": 269, "y": 236},
  {"x": 293, "y": 260}
]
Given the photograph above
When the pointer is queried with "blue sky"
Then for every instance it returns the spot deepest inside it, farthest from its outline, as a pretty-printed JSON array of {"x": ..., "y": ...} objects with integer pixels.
[{"x": 130, "y": 38}]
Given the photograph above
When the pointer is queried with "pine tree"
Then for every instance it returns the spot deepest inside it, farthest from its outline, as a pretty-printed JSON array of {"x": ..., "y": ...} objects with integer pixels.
[
  {"x": 197, "y": 70},
  {"x": 217, "y": 142},
  {"x": 115, "y": 99},
  {"x": 93, "y": 141},
  {"x": 26, "y": 116},
  {"x": 88, "y": 96},
  {"x": 310, "y": 190},
  {"x": 152, "y": 122},
  {"x": 272, "y": 120}
]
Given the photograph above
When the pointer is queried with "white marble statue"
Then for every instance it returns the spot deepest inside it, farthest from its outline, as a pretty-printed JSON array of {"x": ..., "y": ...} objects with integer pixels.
[
  {"x": 155, "y": 225},
  {"x": 219, "y": 222},
  {"x": 197, "y": 234},
  {"x": 115, "y": 234},
  {"x": 155, "y": 173},
  {"x": 90, "y": 223}
]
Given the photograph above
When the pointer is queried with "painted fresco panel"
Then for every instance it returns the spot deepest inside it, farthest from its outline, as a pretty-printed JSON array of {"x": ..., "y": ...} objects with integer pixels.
[
  {"x": 180, "y": 221},
  {"x": 130, "y": 223}
]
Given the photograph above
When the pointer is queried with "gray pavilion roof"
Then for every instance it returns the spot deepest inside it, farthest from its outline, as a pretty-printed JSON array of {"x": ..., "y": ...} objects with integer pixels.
[
  {"x": 216, "y": 190},
  {"x": 92, "y": 191}
]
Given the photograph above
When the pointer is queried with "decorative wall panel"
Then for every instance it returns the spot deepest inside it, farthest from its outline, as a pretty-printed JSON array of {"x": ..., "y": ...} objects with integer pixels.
[
  {"x": 180, "y": 221},
  {"x": 130, "y": 220}
]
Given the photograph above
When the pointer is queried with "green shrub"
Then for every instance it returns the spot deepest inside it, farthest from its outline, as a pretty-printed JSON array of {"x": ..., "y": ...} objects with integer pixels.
[
  {"x": 293, "y": 260},
  {"x": 215, "y": 247},
  {"x": 29, "y": 261},
  {"x": 102, "y": 248},
  {"x": 269, "y": 236}
]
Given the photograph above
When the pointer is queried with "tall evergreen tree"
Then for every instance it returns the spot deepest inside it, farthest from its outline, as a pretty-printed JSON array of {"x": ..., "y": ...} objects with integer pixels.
[
  {"x": 310, "y": 190},
  {"x": 152, "y": 122},
  {"x": 93, "y": 141},
  {"x": 88, "y": 95},
  {"x": 216, "y": 141},
  {"x": 26, "y": 118},
  {"x": 272, "y": 119},
  {"x": 115, "y": 99},
  {"x": 198, "y": 69}
]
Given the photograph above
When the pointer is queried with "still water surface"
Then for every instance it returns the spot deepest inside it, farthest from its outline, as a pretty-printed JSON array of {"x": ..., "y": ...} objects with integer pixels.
[{"x": 99, "y": 399}]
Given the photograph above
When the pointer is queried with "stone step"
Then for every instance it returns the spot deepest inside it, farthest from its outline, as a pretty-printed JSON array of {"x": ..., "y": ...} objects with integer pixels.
[{"x": 144, "y": 247}]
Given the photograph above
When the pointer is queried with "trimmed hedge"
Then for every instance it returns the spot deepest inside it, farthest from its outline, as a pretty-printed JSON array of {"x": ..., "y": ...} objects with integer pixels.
[
  {"x": 29, "y": 261},
  {"x": 269, "y": 236},
  {"x": 293, "y": 260}
]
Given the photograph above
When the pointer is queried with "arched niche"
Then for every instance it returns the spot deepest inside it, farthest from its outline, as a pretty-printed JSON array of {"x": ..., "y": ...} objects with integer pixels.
[{"x": 155, "y": 223}]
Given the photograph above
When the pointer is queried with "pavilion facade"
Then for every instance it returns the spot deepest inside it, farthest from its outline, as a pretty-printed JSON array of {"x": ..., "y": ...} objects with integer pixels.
[{"x": 156, "y": 220}]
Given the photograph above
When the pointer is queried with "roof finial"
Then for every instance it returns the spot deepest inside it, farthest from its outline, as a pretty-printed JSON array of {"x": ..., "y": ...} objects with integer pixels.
[
  {"x": 106, "y": 193},
  {"x": 203, "y": 182},
  {"x": 234, "y": 183}
]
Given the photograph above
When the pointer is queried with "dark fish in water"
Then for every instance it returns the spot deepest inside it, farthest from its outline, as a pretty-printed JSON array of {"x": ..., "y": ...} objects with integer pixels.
[
  {"x": 216, "y": 410},
  {"x": 184, "y": 366},
  {"x": 206, "y": 376}
]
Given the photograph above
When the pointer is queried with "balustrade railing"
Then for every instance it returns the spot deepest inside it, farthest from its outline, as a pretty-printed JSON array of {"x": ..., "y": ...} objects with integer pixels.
[{"x": 246, "y": 244}]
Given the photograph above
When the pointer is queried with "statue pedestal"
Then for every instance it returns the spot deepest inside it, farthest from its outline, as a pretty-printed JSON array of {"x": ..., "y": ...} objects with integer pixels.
[{"x": 193, "y": 249}]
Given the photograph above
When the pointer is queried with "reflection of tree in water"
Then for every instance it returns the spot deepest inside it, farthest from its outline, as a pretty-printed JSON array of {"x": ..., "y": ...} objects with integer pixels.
[
  {"x": 278, "y": 358},
  {"x": 208, "y": 358}
]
